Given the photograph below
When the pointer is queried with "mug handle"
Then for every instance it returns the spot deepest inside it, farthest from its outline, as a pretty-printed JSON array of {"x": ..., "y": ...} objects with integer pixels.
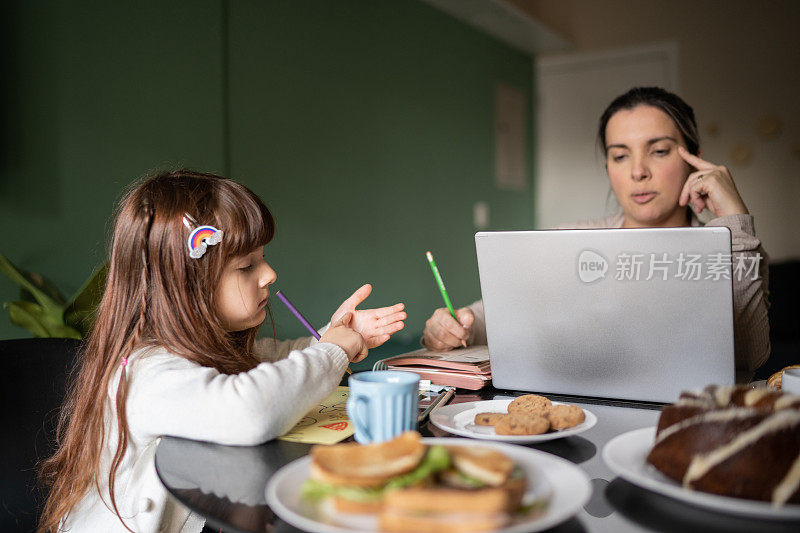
[{"x": 358, "y": 421}]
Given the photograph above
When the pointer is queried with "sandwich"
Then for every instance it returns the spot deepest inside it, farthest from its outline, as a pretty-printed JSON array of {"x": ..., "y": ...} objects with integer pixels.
[
  {"x": 444, "y": 510},
  {"x": 480, "y": 491},
  {"x": 357, "y": 477}
]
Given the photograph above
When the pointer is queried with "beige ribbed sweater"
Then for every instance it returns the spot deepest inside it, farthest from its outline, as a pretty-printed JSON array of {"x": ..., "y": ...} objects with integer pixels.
[{"x": 750, "y": 296}]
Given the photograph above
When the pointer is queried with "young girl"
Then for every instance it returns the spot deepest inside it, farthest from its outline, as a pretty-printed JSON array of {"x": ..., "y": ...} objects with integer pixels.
[{"x": 173, "y": 352}]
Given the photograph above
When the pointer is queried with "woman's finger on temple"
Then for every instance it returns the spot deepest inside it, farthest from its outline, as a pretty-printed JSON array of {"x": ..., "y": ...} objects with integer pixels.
[{"x": 696, "y": 162}]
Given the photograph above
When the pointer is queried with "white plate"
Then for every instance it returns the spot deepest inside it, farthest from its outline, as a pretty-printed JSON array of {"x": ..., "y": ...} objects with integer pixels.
[
  {"x": 626, "y": 456},
  {"x": 459, "y": 419},
  {"x": 551, "y": 478}
]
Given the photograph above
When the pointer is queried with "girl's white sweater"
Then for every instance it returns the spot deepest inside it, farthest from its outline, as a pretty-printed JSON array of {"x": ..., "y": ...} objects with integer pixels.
[{"x": 169, "y": 395}]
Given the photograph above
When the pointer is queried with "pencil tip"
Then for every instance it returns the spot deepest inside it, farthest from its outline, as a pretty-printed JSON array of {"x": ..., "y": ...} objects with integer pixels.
[{"x": 428, "y": 253}]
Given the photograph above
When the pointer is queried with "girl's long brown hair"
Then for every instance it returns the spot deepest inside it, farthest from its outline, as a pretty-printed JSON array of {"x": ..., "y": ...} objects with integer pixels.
[{"x": 155, "y": 294}]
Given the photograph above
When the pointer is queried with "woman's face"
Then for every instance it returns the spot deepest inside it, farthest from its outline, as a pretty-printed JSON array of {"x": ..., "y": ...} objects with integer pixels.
[
  {"x": 243, "y": 290},
  {"x": 644, "y": 167}
]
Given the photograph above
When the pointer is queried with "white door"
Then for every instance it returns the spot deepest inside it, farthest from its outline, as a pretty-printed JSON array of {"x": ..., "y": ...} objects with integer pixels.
[{"x": 573, "y": 90}]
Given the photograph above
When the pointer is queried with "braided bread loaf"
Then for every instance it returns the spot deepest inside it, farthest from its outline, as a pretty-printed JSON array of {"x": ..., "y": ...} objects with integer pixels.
[
  {"x": 776, "y": 379},
  {"x": 733, "y": 441}
]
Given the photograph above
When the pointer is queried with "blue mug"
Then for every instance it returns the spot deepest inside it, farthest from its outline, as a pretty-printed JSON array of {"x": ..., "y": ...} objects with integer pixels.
[{"x": 382, "y": 404}]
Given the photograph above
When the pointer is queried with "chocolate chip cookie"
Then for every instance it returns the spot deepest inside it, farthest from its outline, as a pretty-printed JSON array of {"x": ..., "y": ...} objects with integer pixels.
[
  {"x": 530, "y": 404},
  {"x": 489, "y": 419},
  {"x": 565, "y": 416},
  {"x": 520, "y": 424}
]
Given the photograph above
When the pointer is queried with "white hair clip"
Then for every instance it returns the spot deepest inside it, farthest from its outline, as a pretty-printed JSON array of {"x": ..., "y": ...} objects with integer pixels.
[{"x": 201, "y": 237}]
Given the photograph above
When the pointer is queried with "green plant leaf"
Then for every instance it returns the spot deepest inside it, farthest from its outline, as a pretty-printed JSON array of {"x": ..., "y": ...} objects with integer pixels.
[
  {"x": 21, "y": 316},
  {"x": 40, "y": 321},
  {"x": 65, "y": 332},
  {"x": 16, "y": 275},
  {"x": 44, "y": 285},
  {"x": 79, "y": 312}
]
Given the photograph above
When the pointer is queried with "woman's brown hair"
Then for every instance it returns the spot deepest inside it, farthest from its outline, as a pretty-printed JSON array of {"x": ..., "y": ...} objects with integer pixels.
[
  {"x": 673, "y": 105},
  {"x": 155, "y": 295}
]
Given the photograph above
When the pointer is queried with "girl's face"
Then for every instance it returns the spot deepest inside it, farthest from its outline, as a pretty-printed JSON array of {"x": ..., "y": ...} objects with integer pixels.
[
  {"x": 644, "y": 167},
  {"x": 243, "y": 290}
]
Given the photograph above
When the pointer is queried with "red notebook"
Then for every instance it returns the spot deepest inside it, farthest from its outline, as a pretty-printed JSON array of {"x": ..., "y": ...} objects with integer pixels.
[{"x": 466, "y": 368}]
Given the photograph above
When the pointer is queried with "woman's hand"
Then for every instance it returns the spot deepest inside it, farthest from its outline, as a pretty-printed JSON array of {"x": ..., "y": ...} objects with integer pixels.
[
  {"x": 443, "y": 332},
  {"x": 375, "y": 325},
  {"x": 342, "y": 334},
  {"x": 710, "y": 186}
]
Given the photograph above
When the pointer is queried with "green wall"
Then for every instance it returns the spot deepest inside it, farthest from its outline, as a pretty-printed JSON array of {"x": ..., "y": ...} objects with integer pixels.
[
  {"x": 94, "y": 95},
  {"x": 367, "y": 127}
]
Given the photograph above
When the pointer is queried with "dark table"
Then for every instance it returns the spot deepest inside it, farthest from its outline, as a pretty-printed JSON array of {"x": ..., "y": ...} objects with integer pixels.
[{"x": 225, "y": 484}]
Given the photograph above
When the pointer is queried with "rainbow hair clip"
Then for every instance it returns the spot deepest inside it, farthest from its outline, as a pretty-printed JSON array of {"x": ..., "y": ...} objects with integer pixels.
[{"x": 201, "y": 237}]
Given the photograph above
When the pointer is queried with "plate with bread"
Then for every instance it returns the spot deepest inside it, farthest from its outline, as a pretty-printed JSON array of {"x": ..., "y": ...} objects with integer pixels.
[
  {"x": 789, "y": 381},
  {"x": 525, "y": 419},
  {"x": 729, "y": 449},
  {"x": 427, "y": 484}
]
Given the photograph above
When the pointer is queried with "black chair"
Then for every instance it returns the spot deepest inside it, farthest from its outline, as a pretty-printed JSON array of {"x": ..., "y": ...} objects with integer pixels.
[
  {"x": 32, "y": 380},
  {"x": 784, "y": 317}
]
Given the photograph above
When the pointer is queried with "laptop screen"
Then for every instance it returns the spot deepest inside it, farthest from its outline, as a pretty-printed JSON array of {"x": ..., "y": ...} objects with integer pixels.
[{"x": 634, "y": 314}]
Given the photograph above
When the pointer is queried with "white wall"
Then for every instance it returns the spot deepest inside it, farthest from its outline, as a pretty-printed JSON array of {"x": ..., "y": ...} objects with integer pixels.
[
  {"x": 738, "y": 65},
  {"x": 572, "y": 90}
]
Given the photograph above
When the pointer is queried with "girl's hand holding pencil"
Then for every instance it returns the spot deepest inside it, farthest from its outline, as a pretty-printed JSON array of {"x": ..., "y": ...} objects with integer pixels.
[
  {"x": 355, "y": 331},
  {"x": 375, "y": 325},
  {"x": 343, "y": 335}
]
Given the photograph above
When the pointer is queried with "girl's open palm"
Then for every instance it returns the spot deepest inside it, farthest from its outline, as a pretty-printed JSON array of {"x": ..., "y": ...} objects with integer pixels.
[{"x": 375, "y": 325}]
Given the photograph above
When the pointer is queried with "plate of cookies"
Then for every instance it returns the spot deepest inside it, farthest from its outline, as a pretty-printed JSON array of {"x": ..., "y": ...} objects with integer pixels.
[{"x": 528, "y": 418}]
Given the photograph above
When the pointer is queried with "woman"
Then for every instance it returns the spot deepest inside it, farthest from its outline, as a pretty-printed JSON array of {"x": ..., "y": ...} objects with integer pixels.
[{"x": 651, "y": 146}]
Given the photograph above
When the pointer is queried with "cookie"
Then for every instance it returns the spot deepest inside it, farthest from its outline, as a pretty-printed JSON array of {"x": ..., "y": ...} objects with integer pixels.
[
  {"x": 530, "y": 404},
  {"x": 517, "y": 424},
  {"x": 565, "y": 416},
  {"x": 488, "y": 419}
]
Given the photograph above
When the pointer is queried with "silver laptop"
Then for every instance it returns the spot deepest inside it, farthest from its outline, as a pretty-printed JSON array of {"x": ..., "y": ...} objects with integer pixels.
[{"x": 634, "y": 314}]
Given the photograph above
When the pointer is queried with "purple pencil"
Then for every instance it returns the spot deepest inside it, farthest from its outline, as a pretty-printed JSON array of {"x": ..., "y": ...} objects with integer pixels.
[
  {"x": 298, "y": 314},
  {"x": 301, "y": 318}
]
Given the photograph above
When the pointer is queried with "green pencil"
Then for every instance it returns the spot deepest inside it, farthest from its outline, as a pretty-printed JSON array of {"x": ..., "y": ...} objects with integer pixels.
[{"x": 439, "y": 282}]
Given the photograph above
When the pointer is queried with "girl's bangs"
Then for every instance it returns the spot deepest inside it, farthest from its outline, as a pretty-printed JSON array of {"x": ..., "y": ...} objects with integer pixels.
[{"x": 247, "y": 224}]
